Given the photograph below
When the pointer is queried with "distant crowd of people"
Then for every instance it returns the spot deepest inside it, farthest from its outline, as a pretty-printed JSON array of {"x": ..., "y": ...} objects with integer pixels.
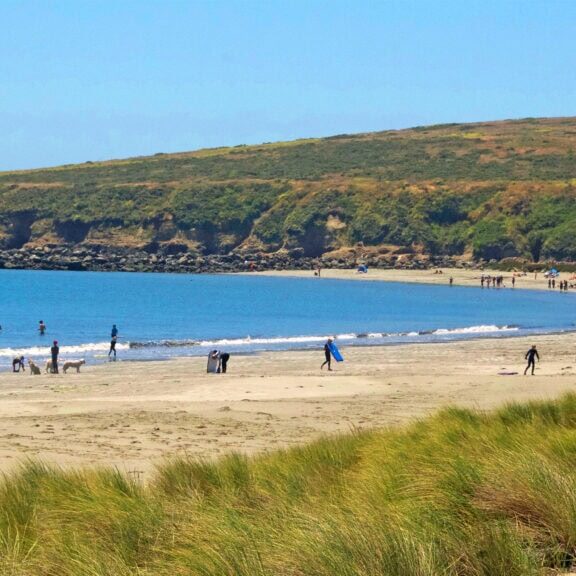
[
  {"x": 562, "y": 284},
  {"x": 494, "y": 281}
]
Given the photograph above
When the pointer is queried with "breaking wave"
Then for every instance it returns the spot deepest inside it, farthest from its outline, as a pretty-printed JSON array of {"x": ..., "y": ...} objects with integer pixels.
[
  {"x": 89, "y": 349},
  {"x": 290, "y": 340},
  {"x": 261, "y": 343}
]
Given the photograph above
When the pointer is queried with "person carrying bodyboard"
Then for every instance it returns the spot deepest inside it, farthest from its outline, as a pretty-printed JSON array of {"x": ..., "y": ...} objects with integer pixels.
[{"x": 331, "y": 351}]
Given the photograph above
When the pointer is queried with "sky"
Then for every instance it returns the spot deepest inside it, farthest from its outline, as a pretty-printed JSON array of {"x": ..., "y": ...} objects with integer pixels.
[{"x": 100, "y": 79}]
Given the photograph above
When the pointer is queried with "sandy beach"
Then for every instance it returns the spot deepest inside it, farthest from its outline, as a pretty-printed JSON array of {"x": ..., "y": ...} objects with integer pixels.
[
  {"x": 461, "y": 277},
  {"x": 134, "y": 414}
]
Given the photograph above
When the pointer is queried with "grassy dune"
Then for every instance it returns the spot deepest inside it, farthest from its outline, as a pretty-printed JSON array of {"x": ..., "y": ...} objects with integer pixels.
[{"x": 462, "y": 493}]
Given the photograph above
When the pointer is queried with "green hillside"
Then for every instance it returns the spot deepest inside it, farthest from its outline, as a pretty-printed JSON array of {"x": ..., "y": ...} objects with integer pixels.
[
  {"x": 460, "y": 494},
  {"x": 487, "y": 190}
]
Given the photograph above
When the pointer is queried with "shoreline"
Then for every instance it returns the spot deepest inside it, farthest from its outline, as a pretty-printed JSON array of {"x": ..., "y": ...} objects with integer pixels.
[
  {"x": 463, "y": 277},
  {"x": 132, "y": 415},
  {"x": 502, "y": 333}
]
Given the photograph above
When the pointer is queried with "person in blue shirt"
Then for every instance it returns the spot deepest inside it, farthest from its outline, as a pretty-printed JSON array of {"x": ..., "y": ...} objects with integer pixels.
[{"x": 113, "y": 339}]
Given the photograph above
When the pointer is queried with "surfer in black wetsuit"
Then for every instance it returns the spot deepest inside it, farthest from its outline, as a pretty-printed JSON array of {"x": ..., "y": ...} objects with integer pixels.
[
  {"x": 530, "y": 356},
  {"x": 328, "y": 355},
  {"x": 54, "y": 351}
]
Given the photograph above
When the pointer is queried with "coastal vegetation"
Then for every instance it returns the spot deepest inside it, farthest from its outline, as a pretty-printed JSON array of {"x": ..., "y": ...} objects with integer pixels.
[
  {"x": 485, "y": 191},
  {"x": 462, "y": 493}
]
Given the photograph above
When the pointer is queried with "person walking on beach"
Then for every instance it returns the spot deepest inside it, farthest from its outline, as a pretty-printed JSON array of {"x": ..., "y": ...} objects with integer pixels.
[
  {"x": 114, "y": 331},
  {"x": 54, "y": 351},
  {"x": 327, "y": 355},
  {"x": 530, "y": 356},
  {"x": 18, "y": 363},
  {"x": 41, "y": 327}
]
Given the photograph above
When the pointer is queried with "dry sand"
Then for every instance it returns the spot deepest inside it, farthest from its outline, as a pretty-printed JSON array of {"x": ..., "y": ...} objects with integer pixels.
[
  {"x": 461, "y": 277},
  {"x": 134, "y": 414}
]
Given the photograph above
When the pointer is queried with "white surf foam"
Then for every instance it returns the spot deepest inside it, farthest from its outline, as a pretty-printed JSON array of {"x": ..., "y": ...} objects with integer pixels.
[
  {"x": 64, "y": 350},
  {"x": 92, "y": 348},
  {"x": 475, "y": 329}
]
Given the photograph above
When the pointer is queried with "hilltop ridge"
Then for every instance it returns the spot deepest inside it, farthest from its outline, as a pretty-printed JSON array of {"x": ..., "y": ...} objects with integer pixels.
[{"x": 487, "y": 190}]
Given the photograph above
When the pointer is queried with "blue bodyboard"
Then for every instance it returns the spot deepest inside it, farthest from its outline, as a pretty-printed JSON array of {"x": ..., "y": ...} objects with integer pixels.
[{"x": 335, "y": 352}]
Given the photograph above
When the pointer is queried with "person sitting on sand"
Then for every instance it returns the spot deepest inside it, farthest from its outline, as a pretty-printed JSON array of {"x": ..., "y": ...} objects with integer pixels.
[
  {"x": 18, "y": 363},
  {"x": 327, "y": 355},
  {"x": 530, "y": 356}
]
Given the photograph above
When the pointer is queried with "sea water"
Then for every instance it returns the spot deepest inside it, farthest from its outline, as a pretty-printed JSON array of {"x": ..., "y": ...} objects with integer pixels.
[{"x": 164, "y": 315}]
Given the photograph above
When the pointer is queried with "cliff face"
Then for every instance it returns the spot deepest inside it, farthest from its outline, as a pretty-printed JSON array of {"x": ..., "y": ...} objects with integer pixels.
[{"x": 489, "y": 190}]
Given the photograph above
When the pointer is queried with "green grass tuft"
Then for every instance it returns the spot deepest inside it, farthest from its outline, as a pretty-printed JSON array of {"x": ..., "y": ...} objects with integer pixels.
[{"x": 462, "y": 493}]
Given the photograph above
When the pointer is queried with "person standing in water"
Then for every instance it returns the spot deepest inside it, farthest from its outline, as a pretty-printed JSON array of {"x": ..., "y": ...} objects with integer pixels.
[
  {"x": 113, "y": 339},
  {"x": 530, "y": 356},
  {"x": 327, "y": 355},
  {"x": 112, "y": 346},
  {"x": 41, "y": 327},
  {"x": 54, "y": 351}
]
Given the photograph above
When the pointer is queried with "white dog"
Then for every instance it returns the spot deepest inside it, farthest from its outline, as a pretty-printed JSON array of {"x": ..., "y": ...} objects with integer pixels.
[
  {"x": 73, "y": 364},
  {"x": 48, "y": 366},
  {"x": 34, "y": 368}
]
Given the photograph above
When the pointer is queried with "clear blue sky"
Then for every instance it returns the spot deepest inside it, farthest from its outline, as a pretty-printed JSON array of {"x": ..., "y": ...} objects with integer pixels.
[{"x": 98, "y": 79}]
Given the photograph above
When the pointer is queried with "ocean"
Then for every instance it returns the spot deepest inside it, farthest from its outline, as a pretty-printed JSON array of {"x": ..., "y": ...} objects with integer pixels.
[{"x": 165, "y": 315}]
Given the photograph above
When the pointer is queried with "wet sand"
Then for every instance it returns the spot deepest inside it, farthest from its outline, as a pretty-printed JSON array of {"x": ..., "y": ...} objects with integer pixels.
[{"x": 134, "y": 414}]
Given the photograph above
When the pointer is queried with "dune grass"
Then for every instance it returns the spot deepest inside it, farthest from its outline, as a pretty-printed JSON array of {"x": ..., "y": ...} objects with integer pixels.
[{"x": 462, "y": 493}]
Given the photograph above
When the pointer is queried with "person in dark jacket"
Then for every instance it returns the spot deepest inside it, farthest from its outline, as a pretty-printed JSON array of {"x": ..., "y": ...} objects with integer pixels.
[{"x": 224, "y": 357}]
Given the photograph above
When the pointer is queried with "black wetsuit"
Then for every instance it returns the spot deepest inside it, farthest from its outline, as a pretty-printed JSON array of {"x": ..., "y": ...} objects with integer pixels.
[
  {"x": 530, "y": 357},
  {"x": 55, "y": 350},
  {"x": 224, "y": 357},
  {"x": 328, "y": 356},
  {"x": 112, "y": 346}
]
